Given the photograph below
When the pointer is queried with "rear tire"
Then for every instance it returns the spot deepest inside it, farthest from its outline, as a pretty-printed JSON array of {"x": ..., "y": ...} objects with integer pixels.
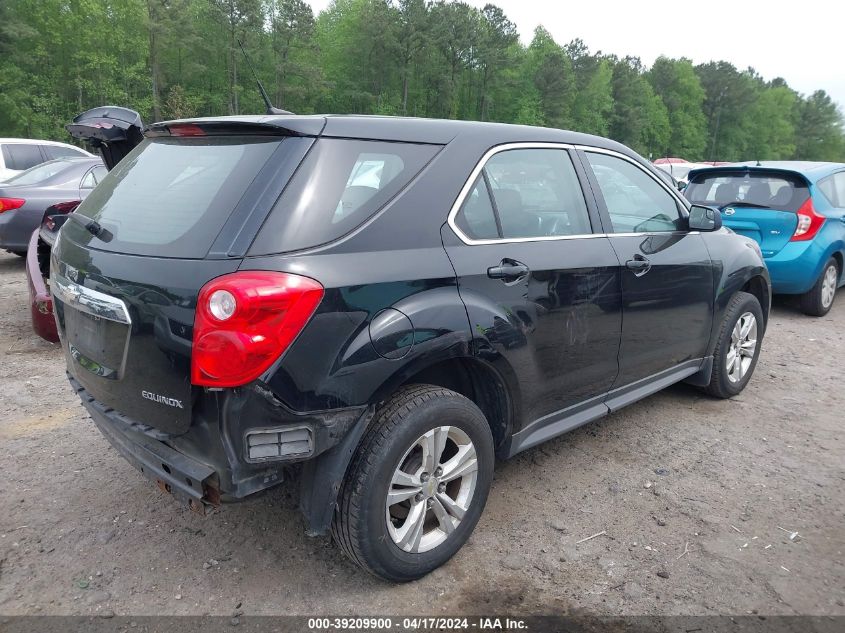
[
  {"x": 734, "y": 359},
  {"x": 819, "y": 299},
  {"x": 390, "y": 519}
]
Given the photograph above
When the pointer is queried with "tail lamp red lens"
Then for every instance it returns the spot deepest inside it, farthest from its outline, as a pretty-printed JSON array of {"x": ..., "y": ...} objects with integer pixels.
[
  {"x": 809, "y": 222},
  {"x": 246, "y": 320},
  {"x": 7, "y": 204}
]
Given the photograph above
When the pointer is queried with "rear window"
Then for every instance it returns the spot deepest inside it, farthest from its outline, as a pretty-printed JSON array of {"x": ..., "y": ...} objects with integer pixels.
[
  {"x": 21, "y": 156},
  {"x": 784, "y": 192},
  {"x": 39, "y": 173},
  {"x": 340, "y": 185},
  {"x": 170, "y": 197}
]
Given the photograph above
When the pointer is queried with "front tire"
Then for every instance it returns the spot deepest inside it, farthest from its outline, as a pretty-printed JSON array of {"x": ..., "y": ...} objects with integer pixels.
[
  {"x": 417, "y": 484},
  {"x": 818, "y": 300},
  {"x": 738, "y": 347}
]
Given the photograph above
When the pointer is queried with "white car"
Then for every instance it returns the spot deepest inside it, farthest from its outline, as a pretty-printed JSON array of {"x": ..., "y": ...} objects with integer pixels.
[
  {"x": 19, "y": 154},
  {"x": 680, "y": 171}
]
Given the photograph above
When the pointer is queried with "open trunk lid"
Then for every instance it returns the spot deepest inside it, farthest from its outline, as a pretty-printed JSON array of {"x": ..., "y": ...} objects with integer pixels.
[
  {"x": 758, "y": 203},
  {"x": 112, "y": 130},
  {"x": 128, "y": 265}
]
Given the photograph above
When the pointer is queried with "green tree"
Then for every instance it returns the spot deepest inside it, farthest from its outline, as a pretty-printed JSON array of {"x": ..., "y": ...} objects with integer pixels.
[
  {"x": 639, "y": 117},
  {"x": 675, "y": 81},
  {"x": 819, "y": 134}
]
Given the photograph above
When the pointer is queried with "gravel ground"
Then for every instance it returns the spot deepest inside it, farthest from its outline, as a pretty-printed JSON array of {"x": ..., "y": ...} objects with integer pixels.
[{"x": 696, "y": 501}]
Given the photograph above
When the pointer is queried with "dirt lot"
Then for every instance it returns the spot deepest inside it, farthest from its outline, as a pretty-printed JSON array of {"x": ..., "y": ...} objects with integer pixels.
[{"x": 691, "y": 494}]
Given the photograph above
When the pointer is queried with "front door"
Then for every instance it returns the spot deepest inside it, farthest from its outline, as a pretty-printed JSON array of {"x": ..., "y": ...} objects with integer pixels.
[
  {"x": 541, "y": 287},
  {"x": 667, "y": 274}
]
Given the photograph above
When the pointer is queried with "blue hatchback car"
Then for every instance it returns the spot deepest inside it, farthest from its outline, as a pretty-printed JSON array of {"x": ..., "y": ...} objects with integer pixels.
[{"x": 795, "y": 211}]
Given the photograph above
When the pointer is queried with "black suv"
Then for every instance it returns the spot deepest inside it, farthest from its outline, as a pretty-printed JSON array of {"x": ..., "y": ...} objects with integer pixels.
[{"x": 386, "y": 304}]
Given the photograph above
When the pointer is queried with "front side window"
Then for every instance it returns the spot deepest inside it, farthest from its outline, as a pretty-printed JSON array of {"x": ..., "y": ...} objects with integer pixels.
[
  {"x": 525, "y": 193},
  {"x": 635, "y": 201}
]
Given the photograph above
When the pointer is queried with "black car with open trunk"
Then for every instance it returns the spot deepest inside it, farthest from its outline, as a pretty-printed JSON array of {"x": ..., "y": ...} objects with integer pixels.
[{"x": 384, "y": 305}]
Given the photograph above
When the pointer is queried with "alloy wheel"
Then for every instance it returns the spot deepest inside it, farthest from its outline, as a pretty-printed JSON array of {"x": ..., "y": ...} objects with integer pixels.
[
  {"x": 829, "y": 286},
  {"x": 431, "y": 489},
  {"x": 743, "y": 345}
]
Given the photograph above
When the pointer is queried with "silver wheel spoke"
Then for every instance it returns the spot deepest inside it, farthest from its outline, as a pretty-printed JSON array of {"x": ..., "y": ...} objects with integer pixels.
[
  {"x": 444, "y": 519},
  {"x": 401, "y": 478},
  {"x": 463, "y": 463},
  {"x": 398, "y": 495},
  {"x": 451, "y": 505},
  {"x": 433, "y": 444},
  {"x": 746, "y": 328},
  {"x": 410, "y": 534}
]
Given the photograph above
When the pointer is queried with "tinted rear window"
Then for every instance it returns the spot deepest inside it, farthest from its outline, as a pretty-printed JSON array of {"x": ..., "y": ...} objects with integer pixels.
[
  {"x": 340, "y": 185},
  {"x": 171, "y": 197},
  {"x": 780, "y": 191}
]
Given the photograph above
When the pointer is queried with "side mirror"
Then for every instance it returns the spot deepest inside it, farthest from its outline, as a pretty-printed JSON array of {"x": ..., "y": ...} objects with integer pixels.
[
  {"x": 703, "y": 218},
  {"x": 681, "y": 185}
]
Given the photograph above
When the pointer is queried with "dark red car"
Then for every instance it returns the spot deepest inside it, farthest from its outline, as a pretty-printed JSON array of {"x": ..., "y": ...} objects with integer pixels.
[
  {"x": 113, "y": 132},
  {"x": 38, "y": 269}
]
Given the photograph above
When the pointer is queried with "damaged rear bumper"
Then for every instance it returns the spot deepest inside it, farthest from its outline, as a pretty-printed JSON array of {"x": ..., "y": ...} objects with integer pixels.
[
  {"x": 212, "y": 462},
  {"x": 191, "y": 482}
]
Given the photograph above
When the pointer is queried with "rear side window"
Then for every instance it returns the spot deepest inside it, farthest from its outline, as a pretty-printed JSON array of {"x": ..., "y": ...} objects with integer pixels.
[
  {"x": 525, "y": 193},
  {"x": 340, "y": 185},
  {"x": 170, "y": 197},
  {"x": 60, "y": 151},
  {"x": 766, "y": 190},
  {"x": 833, "y": 188},
  {"x": 21, "y": 156}
]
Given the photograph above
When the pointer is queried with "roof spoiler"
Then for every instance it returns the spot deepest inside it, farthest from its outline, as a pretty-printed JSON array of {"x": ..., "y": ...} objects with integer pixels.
[{"x": 112, "y": 130}]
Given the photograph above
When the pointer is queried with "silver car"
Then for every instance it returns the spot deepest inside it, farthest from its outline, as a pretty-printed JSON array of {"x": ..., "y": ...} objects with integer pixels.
[{"x": 23, "y": 198}]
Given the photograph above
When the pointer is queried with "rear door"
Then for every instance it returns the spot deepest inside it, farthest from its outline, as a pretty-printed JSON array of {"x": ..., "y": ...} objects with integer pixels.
[
  {"x": 125, "y": 295},
  {"x": 756, "y": 203},
  {"x": 667, "y": 274},
  {"x": 541, "y": 287}
]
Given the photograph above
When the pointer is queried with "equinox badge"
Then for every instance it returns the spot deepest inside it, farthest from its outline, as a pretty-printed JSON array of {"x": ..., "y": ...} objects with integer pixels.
[{"x": 170, "y": 402}]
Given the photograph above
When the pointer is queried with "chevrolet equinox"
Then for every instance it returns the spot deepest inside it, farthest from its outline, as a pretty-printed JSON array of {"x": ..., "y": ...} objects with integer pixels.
[{"x": 388, "y": 305}]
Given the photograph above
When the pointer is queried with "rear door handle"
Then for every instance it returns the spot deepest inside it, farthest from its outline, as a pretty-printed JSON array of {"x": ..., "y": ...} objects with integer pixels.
[
  {"x": 639, "y": 265},
  {"x": 508, "y": 270}
]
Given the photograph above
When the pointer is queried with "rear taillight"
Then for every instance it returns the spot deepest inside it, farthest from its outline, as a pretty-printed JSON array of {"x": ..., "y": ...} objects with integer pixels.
[
  {"x": 246, "y": 320},
  {"x": 7, "y": 204},
  {"x": 809, "y": 222}
]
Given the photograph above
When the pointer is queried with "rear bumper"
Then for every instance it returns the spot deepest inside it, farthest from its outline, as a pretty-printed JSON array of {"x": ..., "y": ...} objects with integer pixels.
[
  {"x": 192, "y": 482},
  {"x": 796, "y": 267},
  {"x": 210, "y": 463},
  {"x": 40, "y": 301}
]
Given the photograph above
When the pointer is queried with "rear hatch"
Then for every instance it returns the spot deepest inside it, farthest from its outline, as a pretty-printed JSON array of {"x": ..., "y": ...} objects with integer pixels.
[
  {"x": 759, "y": 203},
  {"x": 178, "y": 211}
]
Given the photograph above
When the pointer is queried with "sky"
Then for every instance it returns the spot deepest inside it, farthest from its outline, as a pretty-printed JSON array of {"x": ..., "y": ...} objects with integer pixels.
[{"x": 801, "y": 42}]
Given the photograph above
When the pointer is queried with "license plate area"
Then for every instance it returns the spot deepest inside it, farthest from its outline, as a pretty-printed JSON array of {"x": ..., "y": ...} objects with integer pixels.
[{"x": 95, "y": 326}]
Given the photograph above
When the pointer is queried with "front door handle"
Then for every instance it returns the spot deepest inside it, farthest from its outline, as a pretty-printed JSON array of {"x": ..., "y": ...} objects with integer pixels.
[
  {"x": 508, "y": 270},
  {"x": 639, "y": 265}
]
